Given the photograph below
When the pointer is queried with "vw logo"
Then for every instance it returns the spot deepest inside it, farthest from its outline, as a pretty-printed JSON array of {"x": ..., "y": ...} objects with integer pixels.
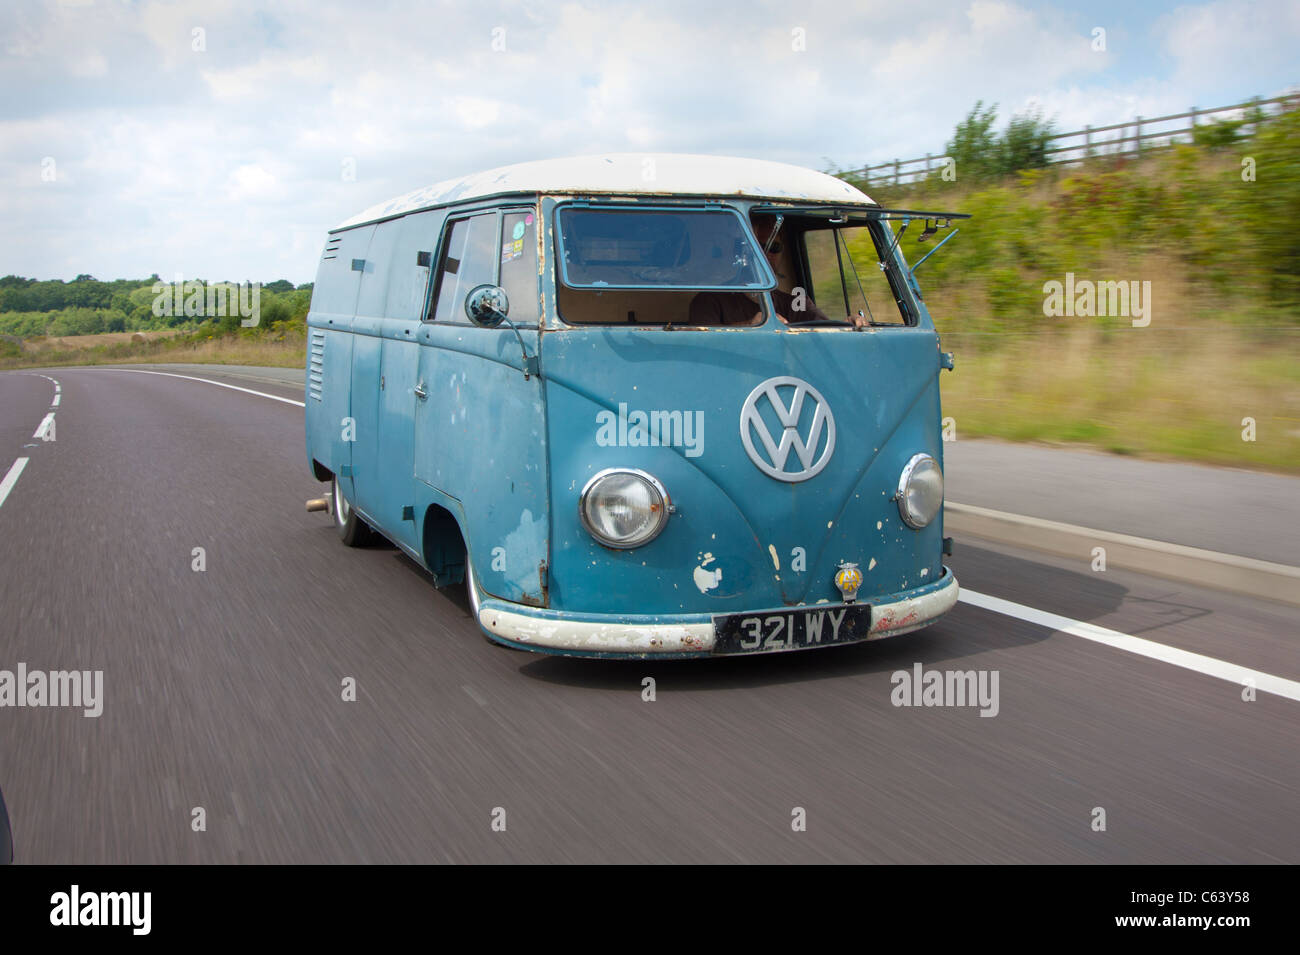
[{"x": 775, "y": 452}]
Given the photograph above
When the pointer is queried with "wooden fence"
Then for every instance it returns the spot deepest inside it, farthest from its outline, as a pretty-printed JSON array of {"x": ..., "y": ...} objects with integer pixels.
[{"x": 1130, "y": 138}]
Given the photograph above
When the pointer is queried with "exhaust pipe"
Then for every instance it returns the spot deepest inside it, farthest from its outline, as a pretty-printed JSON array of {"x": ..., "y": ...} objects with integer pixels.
[{"x": 318, "y": 504}]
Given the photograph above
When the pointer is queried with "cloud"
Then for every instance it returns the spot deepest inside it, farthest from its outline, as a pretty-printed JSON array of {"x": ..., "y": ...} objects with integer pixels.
[
  {"x": 232, "y": 156},
  {"x": 1229, "y": 43}
]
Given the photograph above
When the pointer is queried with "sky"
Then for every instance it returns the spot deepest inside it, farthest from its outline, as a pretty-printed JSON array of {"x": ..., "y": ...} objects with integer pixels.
[{"x": 222, "y": 139}]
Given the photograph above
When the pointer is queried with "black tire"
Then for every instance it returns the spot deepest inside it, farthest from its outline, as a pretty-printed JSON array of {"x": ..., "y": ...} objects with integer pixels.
[{"x": 353, "y": 531}]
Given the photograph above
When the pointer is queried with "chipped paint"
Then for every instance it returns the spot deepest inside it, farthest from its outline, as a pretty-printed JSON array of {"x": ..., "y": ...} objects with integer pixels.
[
  {"x": 776, "y": 561},
  {"x": 706, "y": 579},
  {"x": 872, "y": 565},
  {"x": 879, "y": 525},
  {"x": 525, "y": 547}
]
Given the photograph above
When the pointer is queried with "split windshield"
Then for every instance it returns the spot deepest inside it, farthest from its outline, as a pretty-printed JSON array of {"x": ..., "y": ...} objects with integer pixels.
[
  {"x": 688, "y": 268},
  {"x": 603, "y": 248}
]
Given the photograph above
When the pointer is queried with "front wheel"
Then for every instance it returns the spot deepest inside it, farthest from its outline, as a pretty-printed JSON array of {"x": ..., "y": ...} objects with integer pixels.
[{"x": 353, "y": 531}]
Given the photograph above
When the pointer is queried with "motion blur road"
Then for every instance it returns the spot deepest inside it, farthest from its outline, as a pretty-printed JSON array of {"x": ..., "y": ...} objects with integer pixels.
[{"x": 222, "y": 690}]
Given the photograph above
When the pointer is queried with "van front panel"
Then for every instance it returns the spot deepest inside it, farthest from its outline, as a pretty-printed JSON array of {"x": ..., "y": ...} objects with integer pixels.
[{"x": 674, "y": 404}]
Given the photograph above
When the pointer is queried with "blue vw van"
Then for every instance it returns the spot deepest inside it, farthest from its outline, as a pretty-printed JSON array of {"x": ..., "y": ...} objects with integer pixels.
[{"x": 642, "y": 406}]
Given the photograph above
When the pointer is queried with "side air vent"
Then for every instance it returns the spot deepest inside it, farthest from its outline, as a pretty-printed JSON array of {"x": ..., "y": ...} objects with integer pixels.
[
  {"x": 316, "y": 364},
  {"x": 332, "y": 247}
]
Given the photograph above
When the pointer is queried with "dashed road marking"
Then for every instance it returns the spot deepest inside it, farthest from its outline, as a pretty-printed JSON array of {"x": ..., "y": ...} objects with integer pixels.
[
  {"x": 11, "y": 478},
  {"x": 44, "y": 427}
]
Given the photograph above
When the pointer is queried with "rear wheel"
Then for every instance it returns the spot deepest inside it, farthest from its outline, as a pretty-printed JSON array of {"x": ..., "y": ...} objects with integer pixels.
[{"x": 353, "y": 531}]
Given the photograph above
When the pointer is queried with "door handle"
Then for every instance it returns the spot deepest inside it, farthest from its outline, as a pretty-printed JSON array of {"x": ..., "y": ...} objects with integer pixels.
[{"x": 420, "y": 392}]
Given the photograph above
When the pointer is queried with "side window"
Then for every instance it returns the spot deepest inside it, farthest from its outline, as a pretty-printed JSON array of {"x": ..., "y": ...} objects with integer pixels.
[
  {"x": 519, "y": 264},
  {"x": 468, "y": 260},
  {"x": 852, "y": 271},
  {"x": 472, "y": 257}
]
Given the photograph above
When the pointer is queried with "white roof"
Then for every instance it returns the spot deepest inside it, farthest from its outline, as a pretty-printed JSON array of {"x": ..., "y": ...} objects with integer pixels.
[{"x": 629, "y": 174}]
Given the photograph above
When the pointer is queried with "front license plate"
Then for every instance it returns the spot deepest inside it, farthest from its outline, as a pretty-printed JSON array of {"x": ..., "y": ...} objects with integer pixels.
[{"x": 777, "y": 630}]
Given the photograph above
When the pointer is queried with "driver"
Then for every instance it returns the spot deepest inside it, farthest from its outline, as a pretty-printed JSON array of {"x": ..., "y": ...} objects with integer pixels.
[{"x": 739, "y": 308}]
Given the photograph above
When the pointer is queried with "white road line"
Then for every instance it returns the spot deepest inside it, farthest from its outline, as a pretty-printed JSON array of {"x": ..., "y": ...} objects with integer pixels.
[
  {"x": 219, "y": 384},
  {"x": 11, "y": 479},
  {"x": 57, "y": 397},
  {"x": 1142, "y": 647},
  {"x": 43, "y": 428}
]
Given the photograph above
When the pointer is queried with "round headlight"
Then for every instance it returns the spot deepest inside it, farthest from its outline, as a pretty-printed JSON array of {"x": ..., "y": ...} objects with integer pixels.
[
  {"x": 920, "y": 491},
  {"x": 624, "y": 508}
]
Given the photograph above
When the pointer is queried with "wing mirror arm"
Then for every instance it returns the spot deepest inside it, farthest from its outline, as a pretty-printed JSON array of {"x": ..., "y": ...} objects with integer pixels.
[
  {"x": 530, "y": 361},
  {"x": 912, "y": 270},
  {"x": 486, "y": 306}
]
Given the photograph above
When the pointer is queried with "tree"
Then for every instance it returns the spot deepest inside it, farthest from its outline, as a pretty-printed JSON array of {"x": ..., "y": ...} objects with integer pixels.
[
  {"x": 1024, "y": 144},
  {"x": 1218, "y": 134},
  {"x": 275, "y": 311},
  {"x": 981, "y": 154},
  {"x": 974, "y": 146}
]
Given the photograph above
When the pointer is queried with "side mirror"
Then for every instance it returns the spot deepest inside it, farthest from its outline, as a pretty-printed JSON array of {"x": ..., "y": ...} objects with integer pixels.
[{"x": 487, "y": 306}]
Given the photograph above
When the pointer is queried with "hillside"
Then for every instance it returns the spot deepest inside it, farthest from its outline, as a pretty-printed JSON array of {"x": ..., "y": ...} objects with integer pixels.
[{"x": 1221, "y": 252}]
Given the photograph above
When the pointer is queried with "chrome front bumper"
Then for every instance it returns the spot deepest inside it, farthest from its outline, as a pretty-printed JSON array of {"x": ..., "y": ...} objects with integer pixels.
[{"x": 688, "y": 635}]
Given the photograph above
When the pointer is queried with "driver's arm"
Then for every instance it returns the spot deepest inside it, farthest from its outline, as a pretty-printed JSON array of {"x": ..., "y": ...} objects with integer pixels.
[{"x": 788, "y": 313}]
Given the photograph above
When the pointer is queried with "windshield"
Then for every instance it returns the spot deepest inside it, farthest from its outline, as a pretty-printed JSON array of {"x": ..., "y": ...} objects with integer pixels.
[{"x": 620, "y": 248}]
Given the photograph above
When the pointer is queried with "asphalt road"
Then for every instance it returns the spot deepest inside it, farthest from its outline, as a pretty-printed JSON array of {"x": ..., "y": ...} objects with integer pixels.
[{"x": 222, "y": 690}]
